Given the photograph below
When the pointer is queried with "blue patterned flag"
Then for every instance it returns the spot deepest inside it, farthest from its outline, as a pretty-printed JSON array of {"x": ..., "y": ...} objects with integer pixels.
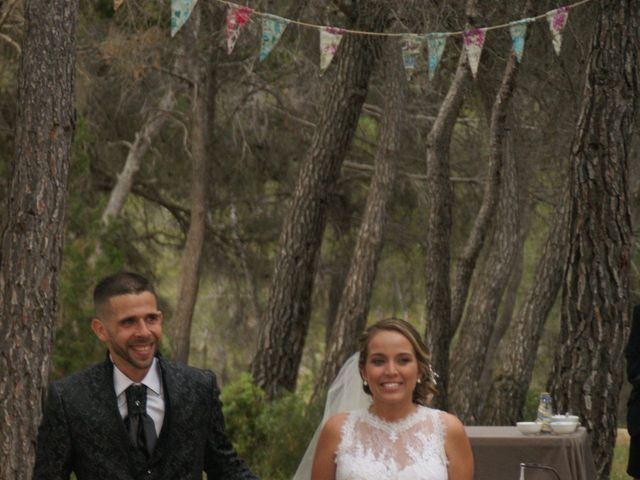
[
  {"x": 272, "y": 29},
  {"x": 518, "y": 34},
  {"x": 180, "y": 12},
  {"x": 411, "y": 44},
  {"x": 435, "y": 44}
]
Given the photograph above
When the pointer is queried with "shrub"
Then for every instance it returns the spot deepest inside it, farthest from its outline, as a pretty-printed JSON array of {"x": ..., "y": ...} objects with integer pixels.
[{"x": 270, "y": 437}]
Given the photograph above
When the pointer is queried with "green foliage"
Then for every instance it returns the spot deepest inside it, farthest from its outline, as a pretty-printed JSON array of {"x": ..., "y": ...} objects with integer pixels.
[{"x": 270, "y": 437}]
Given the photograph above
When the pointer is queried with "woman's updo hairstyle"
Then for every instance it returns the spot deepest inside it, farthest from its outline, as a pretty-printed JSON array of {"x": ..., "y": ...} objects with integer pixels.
[{"x": 427, "y": 384}]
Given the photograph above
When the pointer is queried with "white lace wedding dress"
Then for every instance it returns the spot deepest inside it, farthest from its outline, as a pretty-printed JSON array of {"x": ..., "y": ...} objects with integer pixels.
[{"x": 410, "y": 449}]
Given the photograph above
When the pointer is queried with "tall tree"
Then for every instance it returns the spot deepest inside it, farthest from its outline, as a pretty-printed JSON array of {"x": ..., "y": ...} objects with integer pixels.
[
  {"x": 33, "y": 238},
  {"x": 469, "y": 354},
  {"x": 587, "y": 372},
  {"x": 438, "y": 236},
  {"x": 286, "y": 320},
  {"x": 352, "y": 312},
  {"x": 517, "y": 353},
  {"x": 201, "y": 68}
]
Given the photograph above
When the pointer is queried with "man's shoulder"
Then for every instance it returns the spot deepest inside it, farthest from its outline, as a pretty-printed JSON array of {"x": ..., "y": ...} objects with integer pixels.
[
  {"x": 87, "y": 376},
  {"x": 187, "y": 373}
]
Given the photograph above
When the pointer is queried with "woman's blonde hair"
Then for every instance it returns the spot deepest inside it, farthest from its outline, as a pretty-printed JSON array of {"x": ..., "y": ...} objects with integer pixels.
[{"x": 426, "y": 387}]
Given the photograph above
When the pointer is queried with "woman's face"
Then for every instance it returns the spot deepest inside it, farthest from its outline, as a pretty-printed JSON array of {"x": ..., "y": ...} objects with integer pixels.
[{"x": 391, "y": 367}]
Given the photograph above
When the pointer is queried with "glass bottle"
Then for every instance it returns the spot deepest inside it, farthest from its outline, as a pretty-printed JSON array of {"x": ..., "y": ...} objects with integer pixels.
[{"x": 545, "y": 412}]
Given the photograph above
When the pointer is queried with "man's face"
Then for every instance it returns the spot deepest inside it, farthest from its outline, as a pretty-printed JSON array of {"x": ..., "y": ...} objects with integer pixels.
[{"x": 131, "y": 327}]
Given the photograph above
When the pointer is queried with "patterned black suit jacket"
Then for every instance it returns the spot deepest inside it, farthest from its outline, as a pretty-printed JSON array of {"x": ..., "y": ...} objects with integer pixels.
[{"x": 82, "y": 431}]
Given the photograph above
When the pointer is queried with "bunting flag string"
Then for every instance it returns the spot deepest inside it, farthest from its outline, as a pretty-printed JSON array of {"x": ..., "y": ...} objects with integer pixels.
[
  {"x": 180, "y": 13},
  {"x": 237, "y": 18},
  {"x": 473, "y": 42},
  {"x": 329, "y": 41},
  {"x": 411, "y": 45},
  {"x": 273, "y": 27},
  {"x": 435, "y": 46},
  {"x": 518, "y": 32},
  {"x": 557, "y": 20}
]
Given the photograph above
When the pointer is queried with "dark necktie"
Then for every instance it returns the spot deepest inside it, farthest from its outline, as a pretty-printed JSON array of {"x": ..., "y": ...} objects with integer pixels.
[{"x": 142, "y": 430}]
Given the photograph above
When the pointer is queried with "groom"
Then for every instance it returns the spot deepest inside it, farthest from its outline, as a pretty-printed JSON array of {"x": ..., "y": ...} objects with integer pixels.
[{"x": 135, "y": 415}]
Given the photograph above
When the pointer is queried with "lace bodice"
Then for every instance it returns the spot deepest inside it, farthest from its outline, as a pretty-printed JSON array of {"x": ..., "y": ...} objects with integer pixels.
[{"x": 410, "y": 449}]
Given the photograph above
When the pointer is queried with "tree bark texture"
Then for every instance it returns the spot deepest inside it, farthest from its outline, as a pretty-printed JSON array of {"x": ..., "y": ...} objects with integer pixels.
[
  {"x": 517, "y": 353},
  {"x": 469, "y": 354},
  {"x": 507, "y": 309},
  {"x": 33, "y": 238},
  {"x": 440, "y": 199},
  {"x": 587, "y": 373},
  {"x": 466, "y": 264},
  {"x": 353, "y": 308},
  {"x": 202, "y": 113},
  {"x": 286, "y": 320}
]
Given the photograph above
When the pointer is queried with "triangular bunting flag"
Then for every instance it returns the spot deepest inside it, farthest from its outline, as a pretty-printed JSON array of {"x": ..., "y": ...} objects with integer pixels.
[
  {"x": 518, "y": 34},
  {"x": 272, "y": 29},
  {"x": 557, "y": 20},
  {"x": 330, "y": 38},
  {"x": 180, "y": 12},
  {"x": 435, "y": 44},
  {"x": 237, "y": 18},
  {"x": 411, "y": 44},
  {"x": 117, "y": 4},
  {"x": 473, "y": 43}
]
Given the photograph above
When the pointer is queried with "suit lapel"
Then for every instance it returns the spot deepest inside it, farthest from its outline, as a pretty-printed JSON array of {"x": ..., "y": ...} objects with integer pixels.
[
  {"x": 114, "y": 432},
  {"x": 171, "y": 392}
]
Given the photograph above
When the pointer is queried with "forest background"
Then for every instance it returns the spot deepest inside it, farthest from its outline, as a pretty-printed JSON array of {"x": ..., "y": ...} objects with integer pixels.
[{"x": 280, "y": 208}]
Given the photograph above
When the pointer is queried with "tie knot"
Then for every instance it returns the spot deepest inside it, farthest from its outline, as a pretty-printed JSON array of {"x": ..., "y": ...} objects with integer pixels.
[{"x": 136, "y": 399}]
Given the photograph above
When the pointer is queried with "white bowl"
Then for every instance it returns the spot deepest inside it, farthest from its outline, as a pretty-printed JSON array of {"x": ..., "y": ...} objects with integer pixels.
[
  {"x": 564, "y": 427},
  {"x": 529, "y": 427},
  {"x": 565, "y": 418}
]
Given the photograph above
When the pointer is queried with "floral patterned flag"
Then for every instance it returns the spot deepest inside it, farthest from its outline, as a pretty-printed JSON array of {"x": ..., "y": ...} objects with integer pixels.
[
  {"x": 237, "y": 18},
  {"x": 272, "y": 29},
  {"x": 117, "y": 4},
  {"x": 435, "y": 44},
  {"x": 329, "y": 40},
  {"x": 557, "y": 20},
  {"x": 473, "y": 42},
  {"x": 410, "y": 50},
  {"x": 518, "y": 33},
  {"x": 180, "y": 12}
]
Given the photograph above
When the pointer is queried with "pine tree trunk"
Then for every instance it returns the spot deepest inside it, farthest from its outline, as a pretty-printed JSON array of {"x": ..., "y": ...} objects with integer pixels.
[
  {"x": 33, "y": 239},
  {"x": 507, "y": 309},
  {"x": 438, "y": 255},
  {"x": 202, "y": 112},
  {"x": 469, "y": 354},
  {"x": 587, "y": 373},
  {"x": 284, "y": 328},
  {"x": 518, "y": 350},
  {"x": 351, "y": 318}
]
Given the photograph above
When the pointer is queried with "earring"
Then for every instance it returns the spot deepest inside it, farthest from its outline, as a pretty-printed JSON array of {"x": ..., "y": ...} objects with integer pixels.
[
  {"x": 365, "y": 383},
  {"x": 419, "y": 381}
]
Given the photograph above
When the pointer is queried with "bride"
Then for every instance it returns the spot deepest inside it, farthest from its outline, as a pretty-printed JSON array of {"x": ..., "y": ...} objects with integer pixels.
[{"x": 397, "y": 437}]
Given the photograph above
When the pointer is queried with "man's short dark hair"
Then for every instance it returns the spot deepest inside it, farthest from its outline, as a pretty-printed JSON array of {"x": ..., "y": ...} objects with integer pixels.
[{"x": 121, "y": 283}]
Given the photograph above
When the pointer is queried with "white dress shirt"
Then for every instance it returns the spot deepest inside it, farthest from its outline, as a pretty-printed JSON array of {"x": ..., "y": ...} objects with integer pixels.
[{"x": 155, "y": 397}]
